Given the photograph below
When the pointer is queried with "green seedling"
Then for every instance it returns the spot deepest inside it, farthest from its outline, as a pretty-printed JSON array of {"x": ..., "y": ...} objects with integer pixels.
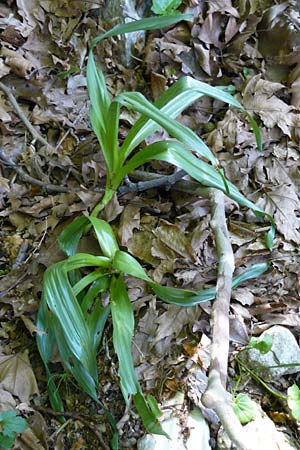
[
  {"x": 10, "y": 425},
  {"x": 71, "y": 315},
  {"x": 165, "y": 7},
  {"x": 243, "y": 406}
]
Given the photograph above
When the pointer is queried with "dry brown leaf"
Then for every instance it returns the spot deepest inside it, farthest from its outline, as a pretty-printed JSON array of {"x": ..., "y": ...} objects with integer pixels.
[
  {"x": 259, "y": 97},
  {"x": 171, "y": 322},
  {"x": 129, "y": 221}
]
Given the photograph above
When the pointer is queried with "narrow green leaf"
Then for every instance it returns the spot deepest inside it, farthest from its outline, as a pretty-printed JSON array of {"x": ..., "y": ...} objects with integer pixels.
[
  {"x": 98, "y": 93},
  {"x": 85, "y": 281},
  {"x": 125, "y": 263},
  {"x": 271, "y": 234},
  {"x": 175, "y": 153},
  {"x": 172, "y": 102},
  {"x": 123, "y": 328},
  {"x": 137, "y": 102},
  {"x": 149, "y": 419},
  {"x": 151, "y": 23}
]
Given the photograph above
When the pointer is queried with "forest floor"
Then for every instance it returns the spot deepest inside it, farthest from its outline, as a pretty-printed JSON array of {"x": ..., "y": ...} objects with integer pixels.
[{"x": 51, "y": 171}]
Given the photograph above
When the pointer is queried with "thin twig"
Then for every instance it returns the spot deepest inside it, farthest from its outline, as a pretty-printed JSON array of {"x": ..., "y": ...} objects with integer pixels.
[
  {"x": 216, "y": 397},
  {"x": 47, "y": 187},
  {"x": 76, "y": 416},
  {"x": 35, "y": 134}
]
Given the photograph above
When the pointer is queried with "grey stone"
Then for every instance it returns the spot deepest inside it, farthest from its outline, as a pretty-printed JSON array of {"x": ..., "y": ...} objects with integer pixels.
[{"x": 285, "y": 350}]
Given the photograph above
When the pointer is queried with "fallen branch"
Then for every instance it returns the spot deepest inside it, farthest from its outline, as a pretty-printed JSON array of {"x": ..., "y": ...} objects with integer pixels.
[
  {"x": 35, "y": 134},
  {"x": 216, "y": 397}
]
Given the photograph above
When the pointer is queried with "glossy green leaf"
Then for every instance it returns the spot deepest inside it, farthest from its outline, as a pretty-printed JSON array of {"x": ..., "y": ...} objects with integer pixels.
[
  {"x": 70, "y": 236},
  {"x": 149, "y": 418},
  {"x": 175, "y": 153},
  {"x": 105, "y": 236}
]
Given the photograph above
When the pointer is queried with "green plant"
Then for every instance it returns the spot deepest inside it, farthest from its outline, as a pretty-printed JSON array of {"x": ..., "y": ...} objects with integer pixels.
[
  {"x": 242, "y": 403},
  {"x": 165, "y": 7},
  {"x": 10, "y": 425},
  {"x": 70, "y": 313}
]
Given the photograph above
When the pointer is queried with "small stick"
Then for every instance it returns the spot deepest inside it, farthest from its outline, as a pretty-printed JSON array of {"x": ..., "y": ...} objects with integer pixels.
[
  {"x": 76, "y": 416},
  {"x": 35, "y": 134}
]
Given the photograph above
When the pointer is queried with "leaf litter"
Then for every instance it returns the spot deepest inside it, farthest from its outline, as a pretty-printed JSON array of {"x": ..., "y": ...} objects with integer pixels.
[{"x": 44, "y": 66}]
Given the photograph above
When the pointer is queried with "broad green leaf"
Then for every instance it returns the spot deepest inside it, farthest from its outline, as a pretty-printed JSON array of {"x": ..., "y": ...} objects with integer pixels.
[
  {"x": 7, "y": 442},
  {"x": 70, "y": 236},
  {"x": 293, "y": 400},
  {"x": 105, "y": 236},
  {"x": 63, "y": 304},
  {"x": 263, "y": 345},
  {"x": 243, "y": 408},
  {"x": 151, "y": 23},
  {"x": 87, "y": 379},
  {"x": 11, "y": 423}
]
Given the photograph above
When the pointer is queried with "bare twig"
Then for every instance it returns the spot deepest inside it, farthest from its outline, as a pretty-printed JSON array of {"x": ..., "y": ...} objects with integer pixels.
[
  {"x": 76, "y": 416},
  {"x": 216, "y": 397},
  {"x": 35, "y": 134},
  {"x": 175, "y": 180},
  {"x": 139, "y": 186}
]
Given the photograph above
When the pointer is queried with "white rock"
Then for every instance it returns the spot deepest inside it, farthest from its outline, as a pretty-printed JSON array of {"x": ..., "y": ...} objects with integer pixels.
[
  {"x": 285, "y": 350},
  {"x": 198, "y": 435},
  {"x": 262, "y": 432}
]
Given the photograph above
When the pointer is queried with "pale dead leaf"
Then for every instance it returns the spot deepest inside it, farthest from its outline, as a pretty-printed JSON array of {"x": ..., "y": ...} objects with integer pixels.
[
  {"x": 259, "y": 97},
  {"x": 6, "y": 400},
  {"x": 14, "y": 369}
]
